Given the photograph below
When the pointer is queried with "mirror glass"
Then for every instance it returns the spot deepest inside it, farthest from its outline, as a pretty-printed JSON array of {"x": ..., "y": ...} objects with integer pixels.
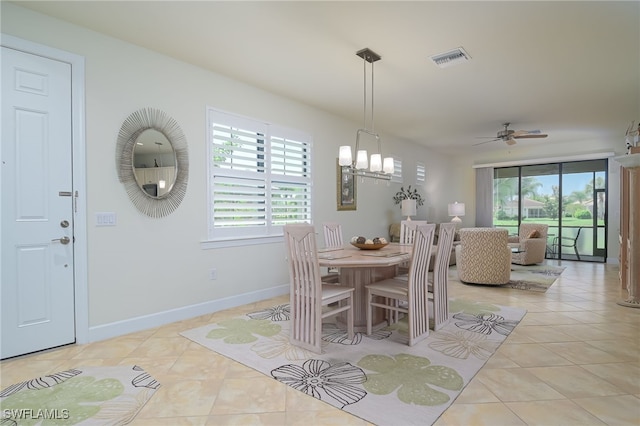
[{"x": 154, "y": 163}]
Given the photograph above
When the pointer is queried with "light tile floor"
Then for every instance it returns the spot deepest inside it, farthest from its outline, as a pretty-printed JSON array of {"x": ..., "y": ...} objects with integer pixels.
[{"x": 573, "y": 360}]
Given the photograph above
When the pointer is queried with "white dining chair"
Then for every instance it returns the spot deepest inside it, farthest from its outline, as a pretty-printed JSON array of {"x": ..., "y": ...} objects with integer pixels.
[
  {"x": 310, "y": 300},
  {"x": 410, "y": 296},
  {"x": 332, "y": 234},
  {"x": 407, "y": 234},
  {"x": 439, "y": 278},
  {"x": 408, "y": 230},
  {"x": 332, "y": 239}
]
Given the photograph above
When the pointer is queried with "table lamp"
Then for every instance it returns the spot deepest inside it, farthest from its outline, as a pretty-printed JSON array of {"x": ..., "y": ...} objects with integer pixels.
[
  {"x": 409, "y": 208},
  {"x": 456, "y": 209}
]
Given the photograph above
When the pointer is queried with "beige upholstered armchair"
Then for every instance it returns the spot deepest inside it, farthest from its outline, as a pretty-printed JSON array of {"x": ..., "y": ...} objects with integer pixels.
[
  {"x": 483, "y": 256},
  {"x": 531, "y": 243}
]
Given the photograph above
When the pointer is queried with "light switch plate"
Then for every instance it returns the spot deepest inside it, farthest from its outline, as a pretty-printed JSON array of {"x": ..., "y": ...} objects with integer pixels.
[{"x": 105, "y": 219}]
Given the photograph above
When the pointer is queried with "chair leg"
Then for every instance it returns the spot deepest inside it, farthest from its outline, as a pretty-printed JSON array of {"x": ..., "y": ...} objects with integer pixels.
[
  {"x": 392, "y": 316},
  {"x": 350, "y": 318},
  {"x": 369, "y": 298},
  {"x": 576, "y": 250},
  {"x": 388, "y": 313},
  {"x": 550, "y": 252}
]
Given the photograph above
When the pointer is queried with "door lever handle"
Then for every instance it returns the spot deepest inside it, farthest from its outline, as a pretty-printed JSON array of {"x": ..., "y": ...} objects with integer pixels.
[{"x": 63, "y": 240}]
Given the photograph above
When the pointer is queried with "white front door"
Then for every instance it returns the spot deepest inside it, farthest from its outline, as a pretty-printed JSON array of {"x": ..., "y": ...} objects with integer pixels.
[{"x": 37, "y": 211}]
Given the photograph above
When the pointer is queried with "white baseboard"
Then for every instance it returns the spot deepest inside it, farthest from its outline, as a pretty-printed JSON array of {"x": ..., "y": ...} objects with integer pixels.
[
  {"x": 119, "y": 328},
  {"x": 613, "y": 260}
]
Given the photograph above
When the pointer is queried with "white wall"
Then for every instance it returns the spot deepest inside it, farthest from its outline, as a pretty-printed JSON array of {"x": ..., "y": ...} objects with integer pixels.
[{"x": 144, "y": 267}]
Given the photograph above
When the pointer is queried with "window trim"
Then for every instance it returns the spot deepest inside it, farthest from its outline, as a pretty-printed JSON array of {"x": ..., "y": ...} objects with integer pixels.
[
  {"x": 272, "y": 233},
  {"x": 240, "y": 242}
]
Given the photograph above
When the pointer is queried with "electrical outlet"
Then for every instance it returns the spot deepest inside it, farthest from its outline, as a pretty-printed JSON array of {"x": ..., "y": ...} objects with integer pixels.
[{"x": 213, "y": 274}]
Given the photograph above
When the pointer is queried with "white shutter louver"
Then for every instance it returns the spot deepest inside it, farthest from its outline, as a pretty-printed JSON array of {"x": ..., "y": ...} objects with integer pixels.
[
  {"x": 397, "y": 170},
  {"x": 260, "y": 177},
  {"x": 421, "y": 173}
]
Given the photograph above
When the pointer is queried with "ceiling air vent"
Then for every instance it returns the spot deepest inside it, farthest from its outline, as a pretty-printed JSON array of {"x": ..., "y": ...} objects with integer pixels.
[{"x": 452, "y": 57}]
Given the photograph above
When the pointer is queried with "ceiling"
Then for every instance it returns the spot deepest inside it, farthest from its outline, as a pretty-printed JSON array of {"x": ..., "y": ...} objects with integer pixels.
[{"x": 570, "y": 69}]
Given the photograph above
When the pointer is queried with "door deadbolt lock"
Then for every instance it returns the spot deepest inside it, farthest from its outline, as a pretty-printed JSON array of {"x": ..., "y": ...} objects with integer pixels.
[
  {"x": 63, "y": 240},
  {"x": 64, "y": 224}
]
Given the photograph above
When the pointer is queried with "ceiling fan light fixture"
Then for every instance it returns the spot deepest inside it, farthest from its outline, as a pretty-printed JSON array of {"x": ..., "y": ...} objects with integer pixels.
[
  {"x": 450, "y": 58},
  {"x": 509, "y": 136}
]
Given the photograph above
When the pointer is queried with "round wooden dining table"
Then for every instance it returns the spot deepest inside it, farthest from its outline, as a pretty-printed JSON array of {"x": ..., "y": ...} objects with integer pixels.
[{"x": 357, "y": 268}]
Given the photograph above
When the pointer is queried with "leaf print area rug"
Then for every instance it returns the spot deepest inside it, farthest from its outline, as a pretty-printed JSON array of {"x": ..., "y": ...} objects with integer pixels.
[
  {"x": 534, "y": 277},
  {"x": 82, "y": 396},
  {"x": 377, "y": 378},
  {"x": 531, "y": 277}
]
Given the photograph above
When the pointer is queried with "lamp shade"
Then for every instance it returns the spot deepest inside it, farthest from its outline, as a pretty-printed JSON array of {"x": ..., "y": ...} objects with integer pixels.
[
  {"x": 361, "y": 159},
  {"x": 409, "y": 208},
  {"x": 376, "y": 163},
  {"x": 388, "y": 167},
  {"x": 456, "y": 209},
  {"x": 344, "y": 157}
]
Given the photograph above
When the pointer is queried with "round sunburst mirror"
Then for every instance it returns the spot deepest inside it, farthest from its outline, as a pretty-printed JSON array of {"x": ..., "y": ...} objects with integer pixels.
[{"x": 153, "y": 161}]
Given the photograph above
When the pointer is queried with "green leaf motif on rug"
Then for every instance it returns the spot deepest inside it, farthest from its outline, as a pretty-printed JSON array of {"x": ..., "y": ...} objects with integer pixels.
[
  {"x": 411, "y": 375},
  {"x": 278, "y": 346},
  {"x": 470, "y": 307},
  {"x": 72, "y": 396},
  {"x": 239, "y": 331},
  {"x": 401, "y": 326},
  {"x": 274, "y": 313}
]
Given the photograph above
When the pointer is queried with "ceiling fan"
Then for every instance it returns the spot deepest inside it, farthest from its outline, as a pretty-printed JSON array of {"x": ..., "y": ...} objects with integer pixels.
[{"x": 509, "y": 136}]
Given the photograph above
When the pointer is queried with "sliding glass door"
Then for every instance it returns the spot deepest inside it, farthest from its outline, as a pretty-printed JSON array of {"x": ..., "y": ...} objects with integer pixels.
[
  {"x": 570, "y": 197},
  {"x": 584, "y": 210}
]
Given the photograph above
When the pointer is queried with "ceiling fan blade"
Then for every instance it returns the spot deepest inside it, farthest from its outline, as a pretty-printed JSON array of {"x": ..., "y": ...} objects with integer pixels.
[
  {"x": 483, "y": 142},
  {"x": 526, "y": 132},
  {"x": 530, "y": 136}
]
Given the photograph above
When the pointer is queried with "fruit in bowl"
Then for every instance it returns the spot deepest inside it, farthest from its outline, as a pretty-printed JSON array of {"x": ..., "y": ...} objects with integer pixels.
[{"x": 364, "y": 243}]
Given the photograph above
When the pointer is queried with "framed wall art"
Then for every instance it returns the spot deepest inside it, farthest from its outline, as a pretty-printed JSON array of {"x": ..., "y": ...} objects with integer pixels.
[{"x": 346, "y": 189}]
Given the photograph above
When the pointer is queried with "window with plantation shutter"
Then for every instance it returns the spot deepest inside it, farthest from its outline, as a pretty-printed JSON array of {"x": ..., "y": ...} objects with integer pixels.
[
  {"x": 260, "y": 177},
  {"x": 421, "y": 172},
  {"x": 397, "y": 170}
]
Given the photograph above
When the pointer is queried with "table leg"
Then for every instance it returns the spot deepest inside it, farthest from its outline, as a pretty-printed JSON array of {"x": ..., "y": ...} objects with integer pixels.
[{"x": 358, "y": 278}]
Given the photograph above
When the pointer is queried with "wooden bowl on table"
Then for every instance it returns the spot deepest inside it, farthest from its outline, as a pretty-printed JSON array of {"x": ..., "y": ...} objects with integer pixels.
[{"x": 369, "y": 246}]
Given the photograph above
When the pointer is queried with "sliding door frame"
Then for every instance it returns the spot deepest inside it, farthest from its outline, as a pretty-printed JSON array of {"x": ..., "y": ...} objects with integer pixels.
[{"x": 563, "y": 167}]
